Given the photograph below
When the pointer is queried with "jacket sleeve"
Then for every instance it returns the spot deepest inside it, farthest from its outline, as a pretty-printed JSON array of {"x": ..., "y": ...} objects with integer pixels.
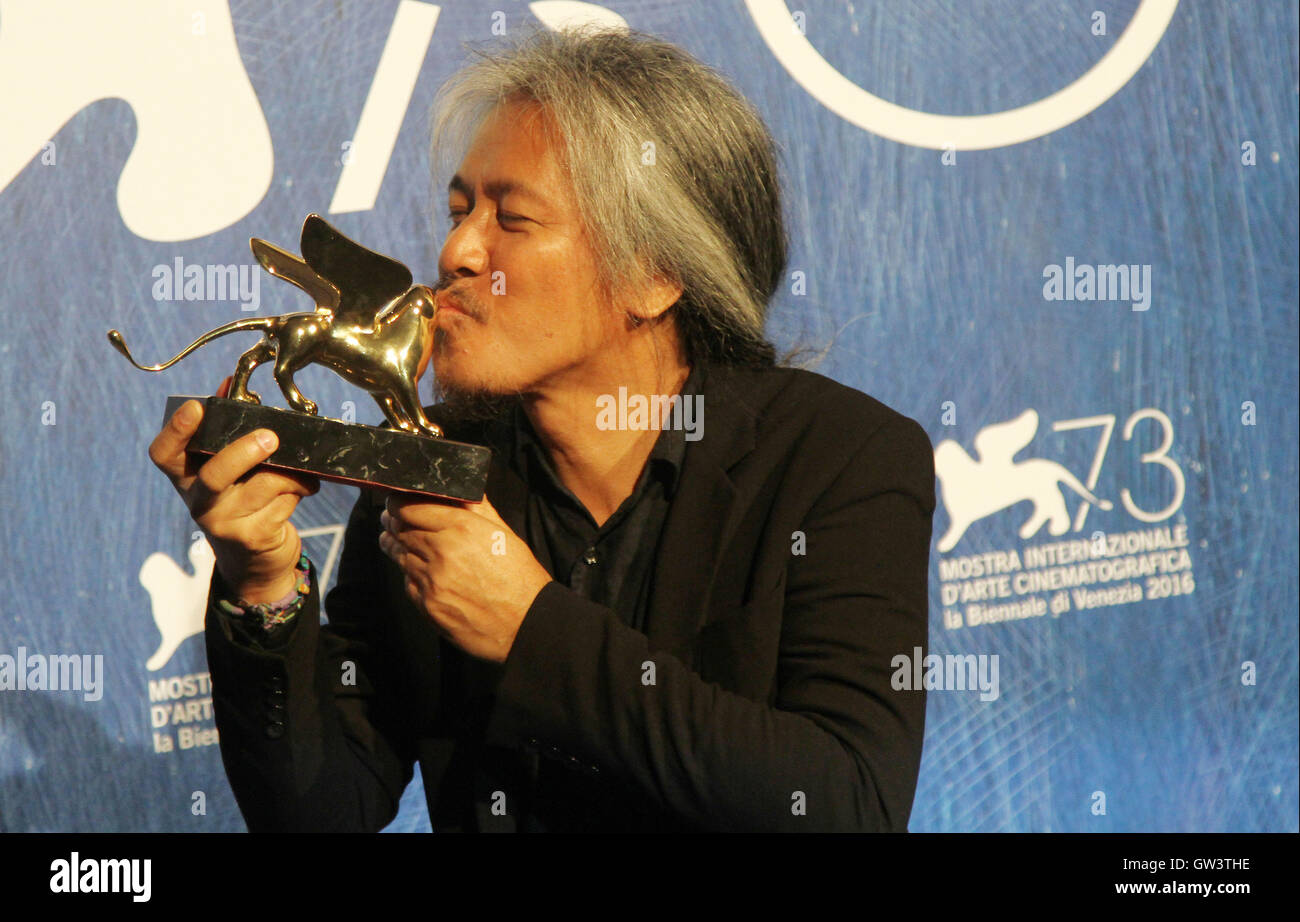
[
  {"x": 835, "y": 748},
  {"x": 311, "y": 735}
]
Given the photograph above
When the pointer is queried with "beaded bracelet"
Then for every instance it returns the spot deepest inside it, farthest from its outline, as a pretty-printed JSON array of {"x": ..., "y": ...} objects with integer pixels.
[{"x": 269, "y": 614}]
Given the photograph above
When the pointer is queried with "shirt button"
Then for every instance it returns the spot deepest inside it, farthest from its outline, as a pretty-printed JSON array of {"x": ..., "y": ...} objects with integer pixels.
[
  {"x": 590, "y": 557},
  {"x": 274, "y": 730}
]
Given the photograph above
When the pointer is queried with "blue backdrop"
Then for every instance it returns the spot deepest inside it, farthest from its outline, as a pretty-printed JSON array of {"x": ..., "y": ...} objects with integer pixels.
[{"x": 1061, "y": 235}]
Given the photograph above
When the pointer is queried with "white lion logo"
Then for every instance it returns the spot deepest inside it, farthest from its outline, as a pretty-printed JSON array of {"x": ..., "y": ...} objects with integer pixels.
[
  {"x": 178, "y": 599},
  {"x": 975, "y": 489}
]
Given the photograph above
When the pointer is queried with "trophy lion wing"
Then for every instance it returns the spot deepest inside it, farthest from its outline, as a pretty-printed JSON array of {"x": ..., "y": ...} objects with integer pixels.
[
  {"x": 284, "y": 265},
  {"x": 367, "y": 281}
]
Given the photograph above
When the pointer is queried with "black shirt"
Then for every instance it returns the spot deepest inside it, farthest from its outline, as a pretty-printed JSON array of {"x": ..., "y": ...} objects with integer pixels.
[{"x": 609, "y": 564}]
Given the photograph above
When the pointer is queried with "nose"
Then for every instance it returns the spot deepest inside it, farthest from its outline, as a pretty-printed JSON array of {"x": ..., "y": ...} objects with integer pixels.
[{"x": 465, "y": 250}]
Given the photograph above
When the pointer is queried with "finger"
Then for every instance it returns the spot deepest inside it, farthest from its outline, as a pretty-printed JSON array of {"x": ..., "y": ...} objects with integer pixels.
[
  {"x": 395, "y": 525},
  {"x": 254, "y": 492},
  {"x": 259, "y": 530},
  {"x": 422, "y": 512},
  {"x": 224, "y": 389},
  {"x": 263, "y": 529},
  {"x": 392, "y": 546},
  {"x": 414, "y": 591},
  {"x": 409, "y": 548},
  {"x": 231, "y": 463},
  {"x": 280, "y": 481},
  {"x": 167, "y": 451},
  {"x": 403, "y": 504},
  {"x": 277, "y": 512}
]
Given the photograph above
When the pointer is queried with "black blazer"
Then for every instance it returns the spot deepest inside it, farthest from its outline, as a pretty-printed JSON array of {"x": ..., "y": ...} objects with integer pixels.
[{"x": 792, "y": 569}]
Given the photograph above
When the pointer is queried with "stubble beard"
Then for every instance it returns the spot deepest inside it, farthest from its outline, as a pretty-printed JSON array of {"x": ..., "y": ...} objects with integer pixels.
[{"x": 470, "y": 402}]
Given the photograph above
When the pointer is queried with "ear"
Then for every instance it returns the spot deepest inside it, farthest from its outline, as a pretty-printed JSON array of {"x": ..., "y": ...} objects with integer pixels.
[{"x": 656, "y": 296}]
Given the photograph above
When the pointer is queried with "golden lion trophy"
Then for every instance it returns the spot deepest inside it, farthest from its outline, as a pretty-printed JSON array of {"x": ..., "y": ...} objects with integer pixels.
[{"x": 374, "y": 328}]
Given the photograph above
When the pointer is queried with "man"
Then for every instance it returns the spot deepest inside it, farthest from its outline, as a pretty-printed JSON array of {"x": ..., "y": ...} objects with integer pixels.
[{"x": 641, "y": 627}]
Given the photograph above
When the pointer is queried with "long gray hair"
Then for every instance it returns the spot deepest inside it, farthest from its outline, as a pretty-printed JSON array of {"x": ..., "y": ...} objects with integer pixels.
[{"x": 674, "y": 173}]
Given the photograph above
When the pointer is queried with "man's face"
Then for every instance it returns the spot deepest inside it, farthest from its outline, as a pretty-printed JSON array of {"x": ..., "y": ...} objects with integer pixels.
[{"x": 519, "y": 267}]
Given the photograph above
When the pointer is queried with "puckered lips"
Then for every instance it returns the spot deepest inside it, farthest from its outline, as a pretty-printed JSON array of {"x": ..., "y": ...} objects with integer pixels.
[{"x": 448, "y": 305}]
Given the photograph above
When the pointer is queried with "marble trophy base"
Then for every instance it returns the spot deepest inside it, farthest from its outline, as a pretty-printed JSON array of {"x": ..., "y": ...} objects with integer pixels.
[{"x": 367, "y": 456}]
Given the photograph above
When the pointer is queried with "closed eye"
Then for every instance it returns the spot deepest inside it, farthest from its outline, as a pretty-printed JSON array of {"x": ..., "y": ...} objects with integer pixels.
[{"x": 458, "y": 214}]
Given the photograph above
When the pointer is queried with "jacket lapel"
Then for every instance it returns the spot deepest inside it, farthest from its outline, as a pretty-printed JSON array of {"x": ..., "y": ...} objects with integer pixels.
[
  {"x": 703, "y": 515},
  {"x": 507, "y": 492}
]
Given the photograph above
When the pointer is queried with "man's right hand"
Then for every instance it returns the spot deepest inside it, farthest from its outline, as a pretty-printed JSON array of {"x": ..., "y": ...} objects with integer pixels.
[{"x": 245, "y": 516}]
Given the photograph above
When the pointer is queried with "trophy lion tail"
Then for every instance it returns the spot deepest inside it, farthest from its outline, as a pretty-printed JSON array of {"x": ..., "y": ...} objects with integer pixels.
[{"x": 248, "y": 323}]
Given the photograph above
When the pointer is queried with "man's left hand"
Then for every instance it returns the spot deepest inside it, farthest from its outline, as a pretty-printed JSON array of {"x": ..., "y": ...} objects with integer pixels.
[{"x": 465, "y": 568}]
